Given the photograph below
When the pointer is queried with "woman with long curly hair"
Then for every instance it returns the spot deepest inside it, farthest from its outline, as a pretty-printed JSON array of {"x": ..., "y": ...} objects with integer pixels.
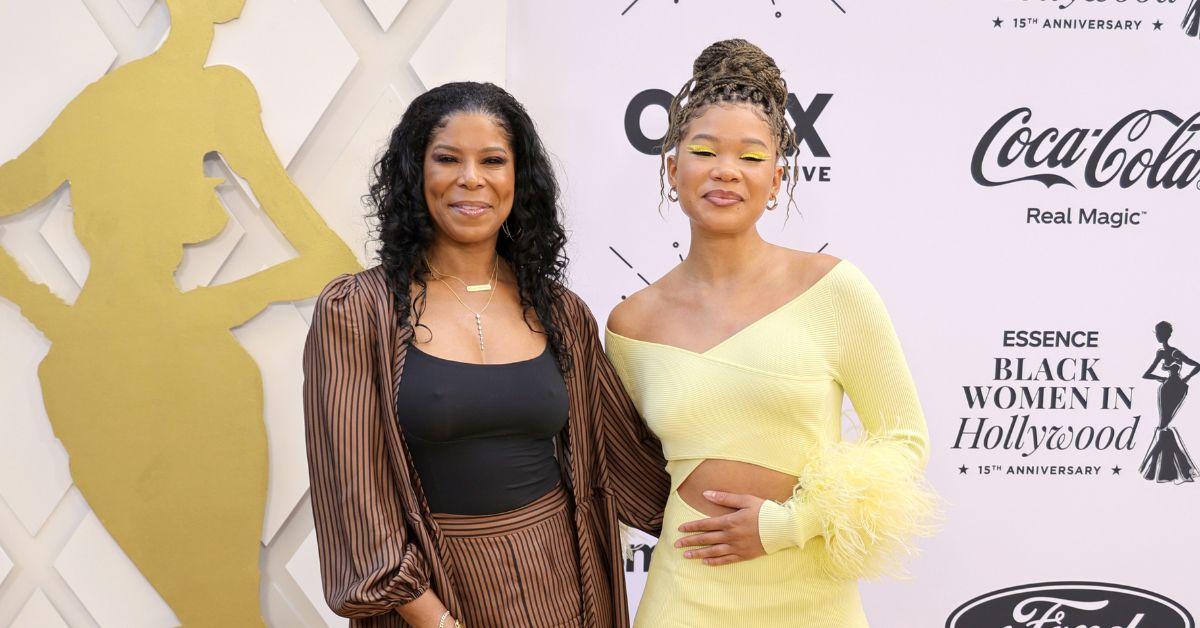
[
  {"x": 470, "y": 448},
  {"x": 739, "y": 358}
]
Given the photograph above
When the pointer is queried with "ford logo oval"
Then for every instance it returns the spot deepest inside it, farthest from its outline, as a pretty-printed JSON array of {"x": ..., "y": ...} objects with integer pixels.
[{"x": 1071, "y": 604}]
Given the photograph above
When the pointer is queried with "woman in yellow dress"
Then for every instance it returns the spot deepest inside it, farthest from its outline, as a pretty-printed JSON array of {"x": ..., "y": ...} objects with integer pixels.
[{"x": 738, "y": 359}]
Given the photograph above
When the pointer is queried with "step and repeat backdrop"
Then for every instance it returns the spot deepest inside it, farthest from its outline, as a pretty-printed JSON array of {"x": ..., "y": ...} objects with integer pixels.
[{"x": 1021, "y": 181}]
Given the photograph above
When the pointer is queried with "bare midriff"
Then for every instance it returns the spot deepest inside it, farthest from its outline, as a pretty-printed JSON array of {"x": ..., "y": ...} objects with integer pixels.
[{"x": 731, "y": 476}]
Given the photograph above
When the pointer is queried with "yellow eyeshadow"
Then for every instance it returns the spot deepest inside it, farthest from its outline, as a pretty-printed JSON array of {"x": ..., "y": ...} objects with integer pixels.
[
  {"x": 755, "y": 155},
  {"x": 700, "y": 148}
]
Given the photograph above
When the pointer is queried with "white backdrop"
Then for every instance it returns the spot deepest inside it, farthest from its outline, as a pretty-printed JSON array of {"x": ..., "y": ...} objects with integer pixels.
[{"x": 911, "y": 88}]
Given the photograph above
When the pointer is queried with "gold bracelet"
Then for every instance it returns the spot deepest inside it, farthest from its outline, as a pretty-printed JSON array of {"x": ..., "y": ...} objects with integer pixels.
[{"x": 442, "y": 621}]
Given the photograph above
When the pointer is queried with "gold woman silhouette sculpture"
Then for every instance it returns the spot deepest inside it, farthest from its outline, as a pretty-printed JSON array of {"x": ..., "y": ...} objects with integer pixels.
[{"x": 158, "y": 406}]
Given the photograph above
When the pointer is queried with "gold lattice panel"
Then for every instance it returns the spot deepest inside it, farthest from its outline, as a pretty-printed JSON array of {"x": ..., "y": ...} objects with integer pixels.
[{"x": 333, "y": 78}]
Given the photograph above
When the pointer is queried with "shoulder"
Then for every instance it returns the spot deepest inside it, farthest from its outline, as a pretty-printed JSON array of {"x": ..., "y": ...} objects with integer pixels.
[
  {"x": 634, "y": 314},
  {"x": 818, "y": 272},
  {"x": 232, "y": 83},
  {"x": 365, "y": 290},
  {"x": 843, "y": 277},
  {"x": 365, "y": 284},
  {"x": 851, "y": 294},
  {"x": 570, "y": 301},
  {"x": 807, "y": 268},
  {"x": 573, "y": 315}
]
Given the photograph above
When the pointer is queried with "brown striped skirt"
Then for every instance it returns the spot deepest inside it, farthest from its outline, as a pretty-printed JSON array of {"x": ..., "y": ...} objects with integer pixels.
[{"x": 516, "y": 568}]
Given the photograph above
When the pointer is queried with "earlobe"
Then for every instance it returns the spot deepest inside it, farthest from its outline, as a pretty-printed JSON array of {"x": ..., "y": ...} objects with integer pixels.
[{"x": 672, "y": 165}]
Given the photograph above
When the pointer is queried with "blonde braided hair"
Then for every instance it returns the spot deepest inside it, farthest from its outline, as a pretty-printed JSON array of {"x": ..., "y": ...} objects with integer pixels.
[{"x": 732, "y": 71}]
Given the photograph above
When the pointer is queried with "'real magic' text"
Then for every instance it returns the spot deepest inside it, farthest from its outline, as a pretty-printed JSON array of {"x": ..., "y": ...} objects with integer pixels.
[{"x": 1084, "y": 216}]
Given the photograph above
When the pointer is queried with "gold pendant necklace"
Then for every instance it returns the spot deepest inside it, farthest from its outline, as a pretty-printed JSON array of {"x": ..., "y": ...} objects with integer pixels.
[
  {"x": 479, "y": 314},
  {"x": 477, "y": 287}
]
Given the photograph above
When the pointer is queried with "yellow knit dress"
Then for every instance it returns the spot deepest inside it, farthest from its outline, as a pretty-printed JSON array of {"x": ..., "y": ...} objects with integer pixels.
[{"x": 771, "y": 395}]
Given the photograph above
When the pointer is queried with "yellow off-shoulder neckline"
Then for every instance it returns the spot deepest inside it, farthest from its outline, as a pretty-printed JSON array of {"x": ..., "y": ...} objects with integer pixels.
[{"x": 756, "y": 322}]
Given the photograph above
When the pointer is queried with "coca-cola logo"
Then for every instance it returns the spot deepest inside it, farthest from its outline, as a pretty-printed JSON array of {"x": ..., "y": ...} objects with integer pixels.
[
  {"x": 1071, "y": 604},
  {"x": 1125, "y": 154}
]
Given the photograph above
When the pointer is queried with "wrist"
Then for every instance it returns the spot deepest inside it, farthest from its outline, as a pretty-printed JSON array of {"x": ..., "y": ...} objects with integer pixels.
[
  {"x": 773, "y": 522},
  {"x": 790, "y": 524}
]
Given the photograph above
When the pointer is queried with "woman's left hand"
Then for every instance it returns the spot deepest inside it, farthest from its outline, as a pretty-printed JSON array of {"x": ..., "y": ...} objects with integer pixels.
[{"x": 728, "y": 538}]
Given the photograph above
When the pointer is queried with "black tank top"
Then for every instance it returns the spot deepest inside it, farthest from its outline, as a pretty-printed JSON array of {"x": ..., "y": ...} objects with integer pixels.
[{"x": 482, "y": 435}]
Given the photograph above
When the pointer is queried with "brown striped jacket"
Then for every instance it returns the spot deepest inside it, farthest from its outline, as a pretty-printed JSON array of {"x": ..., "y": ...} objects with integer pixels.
[{"x": 377, "y": 545}]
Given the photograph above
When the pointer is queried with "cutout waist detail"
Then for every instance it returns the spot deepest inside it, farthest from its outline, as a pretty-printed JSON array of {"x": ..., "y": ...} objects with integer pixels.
[{"x": 690, "y": 478}]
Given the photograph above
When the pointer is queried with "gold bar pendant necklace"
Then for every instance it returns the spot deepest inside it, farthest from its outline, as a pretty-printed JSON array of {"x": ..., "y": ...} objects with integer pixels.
[
  {"x": 471, "y": 287},
  {"x": 477, "y": 288}
]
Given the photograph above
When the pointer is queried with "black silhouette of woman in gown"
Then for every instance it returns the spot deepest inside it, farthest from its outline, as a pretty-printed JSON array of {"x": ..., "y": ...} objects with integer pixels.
[
  {"x": 1191, "y": 19},
  {"x": 1167, "y": 459}
]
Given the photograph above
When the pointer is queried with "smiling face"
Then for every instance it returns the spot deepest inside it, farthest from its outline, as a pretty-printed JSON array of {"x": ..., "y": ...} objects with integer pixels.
[
  {"x": 725, "y": 168},
  {"x": 469, "y": 178}
]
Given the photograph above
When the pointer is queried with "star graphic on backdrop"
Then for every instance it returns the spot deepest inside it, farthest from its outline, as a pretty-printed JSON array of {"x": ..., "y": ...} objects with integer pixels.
[
  {"x": 1116, "y": 470},
  {"x": 1158, "y": 25},
  {"x": 962, "y": 470},
  {"x": 997, "y": 22}
]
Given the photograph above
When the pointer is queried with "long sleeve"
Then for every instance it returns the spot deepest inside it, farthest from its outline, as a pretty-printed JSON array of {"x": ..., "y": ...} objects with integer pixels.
[
  {"x": 635, "y": 467},
  {"x": 368, "y": 566},
  {"x": 864, "y": 499}
]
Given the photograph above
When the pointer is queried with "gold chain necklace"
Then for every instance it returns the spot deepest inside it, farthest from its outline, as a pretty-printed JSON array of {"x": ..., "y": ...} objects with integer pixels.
[
  {"x": 479, "y": 287},
  {"x": 479, "y": 314}
]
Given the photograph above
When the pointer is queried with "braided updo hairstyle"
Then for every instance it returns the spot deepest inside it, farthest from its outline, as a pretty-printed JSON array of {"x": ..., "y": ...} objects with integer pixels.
[{"x": 733, "y": 71}]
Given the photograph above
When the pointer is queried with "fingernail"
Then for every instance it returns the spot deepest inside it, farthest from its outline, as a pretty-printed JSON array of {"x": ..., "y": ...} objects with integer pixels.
[
  {"x": 687, "y": 554},
  {"x": 709, "y": 493},
  {"x": 678, "y": 544}
]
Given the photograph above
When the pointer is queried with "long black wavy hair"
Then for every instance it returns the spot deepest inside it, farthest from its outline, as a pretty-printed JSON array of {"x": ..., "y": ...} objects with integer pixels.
[{"x": 405, "y": 229}]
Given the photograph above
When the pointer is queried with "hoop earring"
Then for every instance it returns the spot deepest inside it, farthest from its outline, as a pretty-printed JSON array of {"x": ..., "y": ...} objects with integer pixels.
[
  {"x": 504, "y": 228},
  {"x": 772, "y": 203},
  {"x": 675, "y": 198}
]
